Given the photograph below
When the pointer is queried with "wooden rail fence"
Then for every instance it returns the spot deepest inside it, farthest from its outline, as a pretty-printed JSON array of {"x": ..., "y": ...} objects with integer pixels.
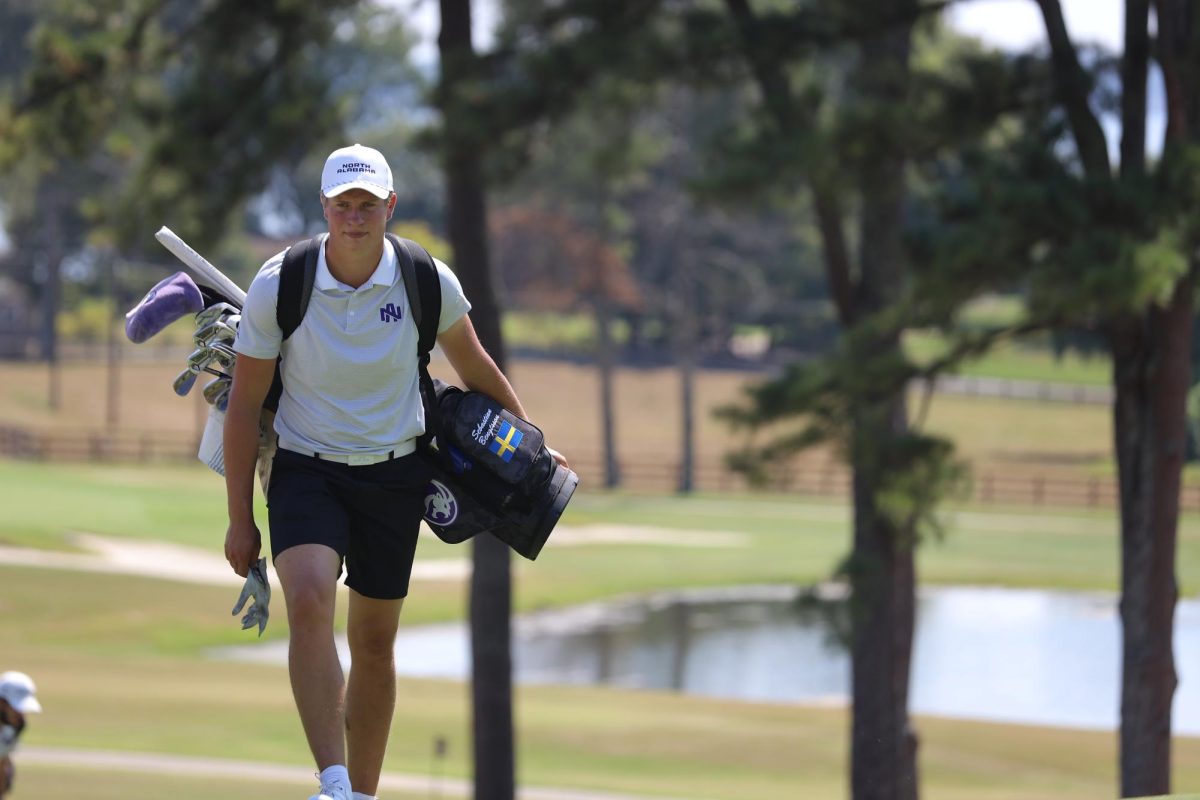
[{"x": 648, "y": 472}]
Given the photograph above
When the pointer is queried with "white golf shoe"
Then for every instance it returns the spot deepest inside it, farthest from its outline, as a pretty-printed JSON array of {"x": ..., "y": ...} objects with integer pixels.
[{"x": 335, "y": 791}]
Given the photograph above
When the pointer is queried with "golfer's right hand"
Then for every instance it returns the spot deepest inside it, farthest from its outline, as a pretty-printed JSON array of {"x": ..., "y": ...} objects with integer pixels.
[{"x": 242, "y": 545}]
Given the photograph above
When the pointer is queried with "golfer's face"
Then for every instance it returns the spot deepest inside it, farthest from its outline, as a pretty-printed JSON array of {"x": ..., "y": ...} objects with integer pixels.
[{"x": 357, "y": 218}]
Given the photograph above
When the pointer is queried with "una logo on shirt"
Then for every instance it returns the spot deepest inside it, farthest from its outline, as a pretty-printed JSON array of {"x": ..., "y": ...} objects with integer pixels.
[{"x": 390, "y": 313}]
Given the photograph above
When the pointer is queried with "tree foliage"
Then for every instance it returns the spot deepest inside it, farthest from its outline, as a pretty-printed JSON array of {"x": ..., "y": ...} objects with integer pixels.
[{"x": 171, "y": 111}]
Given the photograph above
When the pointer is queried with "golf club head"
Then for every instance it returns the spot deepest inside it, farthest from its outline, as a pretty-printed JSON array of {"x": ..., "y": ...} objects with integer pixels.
[
  {"x": 223, "y": 354},
  {"x": 214, "y": 388},
  {"x": 199, "y": 359},
  {"x": 184, "y": 382},
  {"x": 215, "y": 331},
  {"x": 215, "y": 312},
  {"x": 225, "y": 335}
]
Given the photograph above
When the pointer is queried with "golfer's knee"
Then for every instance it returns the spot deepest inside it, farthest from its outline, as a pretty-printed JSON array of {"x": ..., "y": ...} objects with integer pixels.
[
  {"x": 374, "y": 645},
  {"x": 309, "y": 606}
]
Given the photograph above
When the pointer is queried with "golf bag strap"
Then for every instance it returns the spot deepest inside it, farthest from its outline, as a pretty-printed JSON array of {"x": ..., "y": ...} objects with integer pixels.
[
  {"x": 296, "y": 277},
  {"x": 424, "y": 290}
]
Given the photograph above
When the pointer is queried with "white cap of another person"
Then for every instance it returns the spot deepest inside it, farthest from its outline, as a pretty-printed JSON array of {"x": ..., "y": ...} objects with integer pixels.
[
  {"x": 356, "y": 167},
  {"x": 18, "y": 689}
]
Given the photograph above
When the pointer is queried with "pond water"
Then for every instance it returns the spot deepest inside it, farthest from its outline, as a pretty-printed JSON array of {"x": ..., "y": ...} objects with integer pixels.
[{"x": 1028, "y": 656}]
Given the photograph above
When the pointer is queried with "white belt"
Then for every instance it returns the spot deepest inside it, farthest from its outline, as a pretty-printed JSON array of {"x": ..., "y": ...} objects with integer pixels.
[{"x": 357, "y": 459}]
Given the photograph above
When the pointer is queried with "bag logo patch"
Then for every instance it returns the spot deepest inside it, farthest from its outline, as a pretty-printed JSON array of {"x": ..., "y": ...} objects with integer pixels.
[
  {"x": 441, "y": 508},
  {"x": 505, "y": 442}
]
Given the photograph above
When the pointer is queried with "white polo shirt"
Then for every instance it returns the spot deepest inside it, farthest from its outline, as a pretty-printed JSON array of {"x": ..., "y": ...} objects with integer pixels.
[{"x": 350, "y": 380}]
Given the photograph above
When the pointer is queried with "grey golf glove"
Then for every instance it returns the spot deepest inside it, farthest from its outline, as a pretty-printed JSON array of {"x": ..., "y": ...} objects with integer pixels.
[{"x": 258, "y": 588}]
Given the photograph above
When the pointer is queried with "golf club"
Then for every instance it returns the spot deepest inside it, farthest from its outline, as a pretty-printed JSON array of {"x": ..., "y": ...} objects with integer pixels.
[
  {"x": 199, "y": 359},
  {"x": 215, "y": 312},
  {"x": 223, "y": 354},
  {"x": 184, "y": 382},
  {"x": 200, "y": 265},
  {"x": 217, "y": 330},
  {"x": 215, "y": 388}
]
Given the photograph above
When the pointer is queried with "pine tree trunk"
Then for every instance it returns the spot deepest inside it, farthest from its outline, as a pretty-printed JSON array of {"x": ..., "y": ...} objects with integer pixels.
[
  {"x": 491, "y": 577},
  {"x": 883, "y": 743},
  {"x": 1152, "y": 373},
  {"x": 687, "y": 434},
  {"x": 883, "y": 577},
  {"x": 605, "y": 361},
  {"x": 491, "y": 670},
  {"x": 52, "y": 297},
  {"x": 687, "y": 336}
]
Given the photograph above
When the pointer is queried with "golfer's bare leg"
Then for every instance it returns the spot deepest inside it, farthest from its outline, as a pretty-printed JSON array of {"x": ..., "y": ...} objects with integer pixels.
[
  {"x": 308, "y": 573},
  {"x": 371, "y": 689}
]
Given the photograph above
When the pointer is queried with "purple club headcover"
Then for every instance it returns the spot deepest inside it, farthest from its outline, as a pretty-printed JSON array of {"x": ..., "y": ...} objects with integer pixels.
[{"x": 170, "y": 299}]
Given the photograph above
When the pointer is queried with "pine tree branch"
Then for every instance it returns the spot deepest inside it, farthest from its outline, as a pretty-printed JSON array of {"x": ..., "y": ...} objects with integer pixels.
[
  {"x": 1135, "y": 65},
  {"x": 1072, "y": 83},
  {"x": 90, "y": 70},
  {"x": 789, "y": 115},
  {"x": 1172, "y": 44}
]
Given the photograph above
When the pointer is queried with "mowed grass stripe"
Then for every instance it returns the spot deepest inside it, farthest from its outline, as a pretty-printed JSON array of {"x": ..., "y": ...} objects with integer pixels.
[{"x": 782, "y": 539}]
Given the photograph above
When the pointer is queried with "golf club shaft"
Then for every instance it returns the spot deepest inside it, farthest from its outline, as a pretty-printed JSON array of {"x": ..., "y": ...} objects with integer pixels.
[{"x": 199, "y": 265}]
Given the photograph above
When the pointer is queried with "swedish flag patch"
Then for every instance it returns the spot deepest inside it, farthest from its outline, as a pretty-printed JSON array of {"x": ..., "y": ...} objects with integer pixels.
[{"x": 505, "y": 442}]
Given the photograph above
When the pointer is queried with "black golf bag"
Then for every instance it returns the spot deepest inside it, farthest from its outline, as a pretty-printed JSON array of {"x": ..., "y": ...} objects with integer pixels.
[{"x": 492, "y": 473}]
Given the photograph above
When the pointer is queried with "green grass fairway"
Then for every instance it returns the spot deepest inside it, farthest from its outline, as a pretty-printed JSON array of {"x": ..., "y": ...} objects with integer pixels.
[
  {"x": 783, "y": 539},
  {"x": 121, "y": 667}
]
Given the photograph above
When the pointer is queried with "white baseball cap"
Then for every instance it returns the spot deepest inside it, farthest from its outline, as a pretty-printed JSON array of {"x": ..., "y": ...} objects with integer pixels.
[
  {"x": 18, "y": 689},
  {"x": 356, "y": 167}
]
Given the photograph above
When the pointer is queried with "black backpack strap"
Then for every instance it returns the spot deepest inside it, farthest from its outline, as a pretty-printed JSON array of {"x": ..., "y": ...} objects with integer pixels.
[
  {"x": 424, "y": 290},
  {"x": 296, "y": 277}
]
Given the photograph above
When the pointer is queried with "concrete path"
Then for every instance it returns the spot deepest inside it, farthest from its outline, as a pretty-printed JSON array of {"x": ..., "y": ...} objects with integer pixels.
[
  {"x": 194, "y": 767},
  {"x": 173, "y": 562}
]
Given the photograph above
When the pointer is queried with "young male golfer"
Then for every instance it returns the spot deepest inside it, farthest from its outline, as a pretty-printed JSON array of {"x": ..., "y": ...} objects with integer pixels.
[{"x": 346, "y": 486}]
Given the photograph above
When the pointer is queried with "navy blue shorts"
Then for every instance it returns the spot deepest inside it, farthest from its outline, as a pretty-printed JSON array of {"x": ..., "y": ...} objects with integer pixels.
[{"x": 369, "y": 514}]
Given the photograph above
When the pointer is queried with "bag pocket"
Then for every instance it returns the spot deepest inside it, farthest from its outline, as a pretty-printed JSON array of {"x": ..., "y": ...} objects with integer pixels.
[{"x": 492, "y": 437}]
